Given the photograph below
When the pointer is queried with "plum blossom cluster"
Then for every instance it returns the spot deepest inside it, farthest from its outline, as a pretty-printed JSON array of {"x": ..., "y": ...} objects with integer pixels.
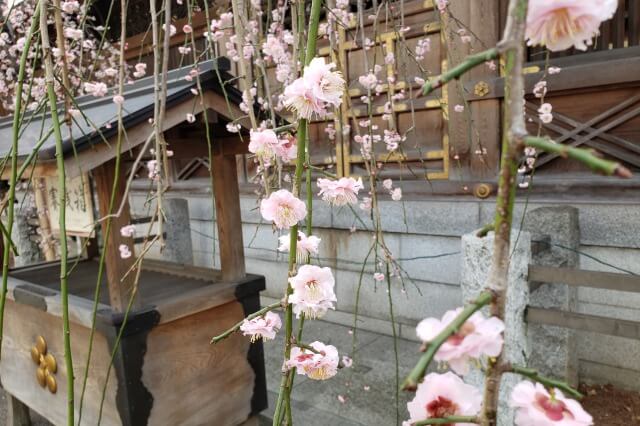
[
  {"x": 318, "y": 362},
  {"x": 267, "y": 147},
  {"x": 396, "y": 193},
  {"x": 319, "y": 89},
  {"x": 91, "y": 62},
  {"x": 477, "y": 337},
  {"x": 446, "y": 395},
  {"x": 305, "y": 246}
]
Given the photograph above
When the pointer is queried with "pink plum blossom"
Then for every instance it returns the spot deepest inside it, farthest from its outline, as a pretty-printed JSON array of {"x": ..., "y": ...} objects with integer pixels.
[
  {"x": 396, "y": 194},
  {"x": 340, "y": 192},
  {"x": 312, "y": 291},
  {"x": 264, "y": 327},
  {"x": 118, "y": 99},
  {"x": 319, "y": 365},
  {"x": 128, "y": 231},
  {"x": 560, "y": 24},
  {"x": 477, "y": 337},
  {"x": 283, "y": 208},
  {"x": 141, "y": 70},
  {"x": 458, "y": 108},
  {"x": 346, "y": 361},
  {"x": 535, "y": 406},
  {"x": 444, "y": 395},
  {"x": 317, "y": 89},
  {"x": 378, "y": 276},
  {"x": 153, "y": 169},
  {"x": 125, "y": 252},
  {"x": 263, "y": 143},
  {"x": 97, "y": 89},
  {"x": 305, "y": 246}
]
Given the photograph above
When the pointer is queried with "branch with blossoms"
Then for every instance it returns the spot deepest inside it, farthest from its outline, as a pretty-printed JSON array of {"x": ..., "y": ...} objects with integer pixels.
[
  {"x": 465, "y": 334},
  {"x": 257, "y": 325}
]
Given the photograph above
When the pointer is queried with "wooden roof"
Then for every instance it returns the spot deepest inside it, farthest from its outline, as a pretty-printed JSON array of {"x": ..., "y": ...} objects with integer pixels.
[{"x": 91, "y": 141}]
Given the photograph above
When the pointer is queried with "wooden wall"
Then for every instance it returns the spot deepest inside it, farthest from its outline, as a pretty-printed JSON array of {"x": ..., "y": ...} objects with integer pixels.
[{"x": 449, "y": 152}]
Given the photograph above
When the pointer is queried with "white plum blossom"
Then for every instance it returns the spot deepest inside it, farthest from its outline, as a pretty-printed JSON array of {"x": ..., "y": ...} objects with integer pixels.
[
  {"x": 313, "y": 292},
  {"x": 265, "y": 326}
]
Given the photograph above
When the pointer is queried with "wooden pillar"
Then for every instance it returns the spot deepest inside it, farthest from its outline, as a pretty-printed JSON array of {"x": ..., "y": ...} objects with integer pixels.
[
  {"x": 227, "y": 198},
  {"x": 18, "y": 414},
  {"x": 119, "y": 289},
  {"x": 43, "y": 219},
  {"x": 485, "y": 24}
]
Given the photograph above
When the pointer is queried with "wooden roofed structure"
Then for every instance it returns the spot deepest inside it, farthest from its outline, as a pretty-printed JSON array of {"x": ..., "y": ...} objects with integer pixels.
[{"x": 157, "y": 327}]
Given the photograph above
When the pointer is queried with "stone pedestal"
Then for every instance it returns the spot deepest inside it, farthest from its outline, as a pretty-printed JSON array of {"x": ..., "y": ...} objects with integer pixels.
[
  {"x": 178, "y": 247},
  {"x": 476, "y": 261},
  {"x": 555, "y": 236}
]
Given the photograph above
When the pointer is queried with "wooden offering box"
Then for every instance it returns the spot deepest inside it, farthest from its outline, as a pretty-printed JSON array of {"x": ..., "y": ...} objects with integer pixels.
[{"x": 151, "y": 357}]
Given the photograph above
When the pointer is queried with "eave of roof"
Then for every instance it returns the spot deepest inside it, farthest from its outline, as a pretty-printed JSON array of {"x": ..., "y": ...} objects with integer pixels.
[{"x": 100, "y": 123}]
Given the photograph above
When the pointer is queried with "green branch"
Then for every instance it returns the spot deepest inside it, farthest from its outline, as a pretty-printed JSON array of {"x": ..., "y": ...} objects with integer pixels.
[
  {"x": 62, "y": 193},
  {"x": 470, "y": 62},
  {"x": 418, "y": 372},
  {"x": 14, "y": 166},
  {"x": 547, "y": 381},
  {"x": 585, "y": 156},
  {"x": 447, "y": 420},
  {"x": 236, "y": 327}
]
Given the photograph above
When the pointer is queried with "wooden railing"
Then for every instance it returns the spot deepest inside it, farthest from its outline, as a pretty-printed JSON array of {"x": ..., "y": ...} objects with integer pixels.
[{"x": 578, "y": 321}]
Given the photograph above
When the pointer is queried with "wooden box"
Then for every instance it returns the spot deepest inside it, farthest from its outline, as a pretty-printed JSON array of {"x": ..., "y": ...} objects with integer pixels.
[{"x": 164, "y": 370}]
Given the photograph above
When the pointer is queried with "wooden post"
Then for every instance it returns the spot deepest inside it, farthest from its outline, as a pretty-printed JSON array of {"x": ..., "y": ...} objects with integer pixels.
[
  {"x": 119, "y": 290},
  {"x": 43, "y": 219},
  {"x": 227, "y": 198},
  {"x": 18, "y": 414}
]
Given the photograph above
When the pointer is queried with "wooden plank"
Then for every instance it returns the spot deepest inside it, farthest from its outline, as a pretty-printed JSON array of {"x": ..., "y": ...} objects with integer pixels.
[
  {"x": 584, "y": 322},
  {"x": 619, "y": 71},
  {"x": 485, "y": 114},
  {"x": 228, "y": 219},
  {"x": 18, "y": 412},
  {"x": 23, "y": 324},
  {"x": 585, "y": 278},
  {"x": 119, "y": 289},
  {"x": 459, "y": 126},
  {"x": 210, "y": 384}
]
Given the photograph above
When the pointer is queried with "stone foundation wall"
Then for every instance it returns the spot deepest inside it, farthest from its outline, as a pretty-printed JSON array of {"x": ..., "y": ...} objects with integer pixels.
[{"x": 426, "y": 238}]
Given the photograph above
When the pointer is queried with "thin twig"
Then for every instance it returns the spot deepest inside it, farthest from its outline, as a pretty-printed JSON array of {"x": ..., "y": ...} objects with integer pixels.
[
  {"x": 585, "y": 156},
  {"x": 470, "y": 62}
]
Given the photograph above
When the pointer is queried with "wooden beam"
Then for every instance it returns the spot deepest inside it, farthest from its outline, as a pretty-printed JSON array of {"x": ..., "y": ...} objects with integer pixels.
[
  {"x": 584, "y": 322},
  {"x": 573, "y": 77},
  {"x": 585, "y": 278},
  {"x": 119, "y": 289},
  {"x": 228, "y": 219}
]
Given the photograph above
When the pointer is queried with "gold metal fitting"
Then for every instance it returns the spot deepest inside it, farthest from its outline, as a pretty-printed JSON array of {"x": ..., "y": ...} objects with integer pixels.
[
  {"x": 481, "y": 89},
  {"x": 482, "y": 190},
  {"x": 47, "y": 365}
]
